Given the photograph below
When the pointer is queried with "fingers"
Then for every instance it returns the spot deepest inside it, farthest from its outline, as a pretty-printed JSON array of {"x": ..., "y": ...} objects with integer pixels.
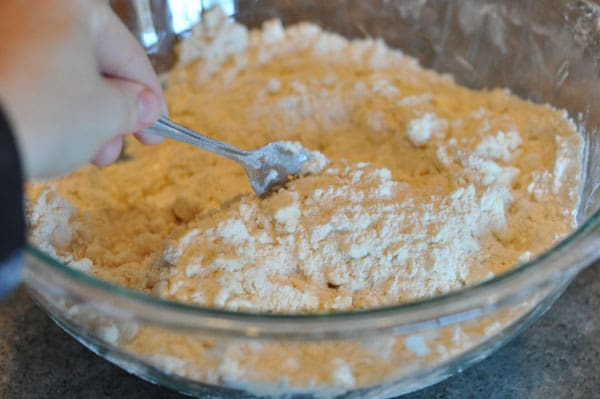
[
  {"x": 119, "y": 54},
  {"x": 146, "y": 138},
  {"x": 109, "y": 153},
  {"x": 150, "y": 109},
  {"x": 125, "y": 107},
  {"x": 131, "y": 107}
]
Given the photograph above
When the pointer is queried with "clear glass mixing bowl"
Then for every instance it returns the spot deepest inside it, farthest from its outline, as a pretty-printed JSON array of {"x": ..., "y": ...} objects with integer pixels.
[{"x": 546, "y": 51}]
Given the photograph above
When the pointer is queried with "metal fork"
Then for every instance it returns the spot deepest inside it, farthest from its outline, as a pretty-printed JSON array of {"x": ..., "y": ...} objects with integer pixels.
[{"x": 267, "y": 167}]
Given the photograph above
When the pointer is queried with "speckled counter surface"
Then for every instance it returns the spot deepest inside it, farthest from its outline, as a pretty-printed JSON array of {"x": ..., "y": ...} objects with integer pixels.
[{"x": 558, "y": 357}]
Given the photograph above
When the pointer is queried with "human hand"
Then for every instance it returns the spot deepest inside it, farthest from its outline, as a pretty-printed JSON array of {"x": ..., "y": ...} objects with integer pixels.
[{"x": 73, "y": 81}]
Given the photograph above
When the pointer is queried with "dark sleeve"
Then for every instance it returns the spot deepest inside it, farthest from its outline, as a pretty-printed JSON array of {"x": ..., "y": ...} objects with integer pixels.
[{"x": 12, "y": 215}]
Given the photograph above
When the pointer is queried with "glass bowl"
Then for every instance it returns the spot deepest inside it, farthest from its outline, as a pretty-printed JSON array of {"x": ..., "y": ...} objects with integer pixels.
[{"x": 546, "y": 51}]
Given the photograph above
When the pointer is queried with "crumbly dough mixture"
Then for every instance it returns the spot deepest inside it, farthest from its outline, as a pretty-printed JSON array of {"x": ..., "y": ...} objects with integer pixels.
[{"x": 429, "y": 186}]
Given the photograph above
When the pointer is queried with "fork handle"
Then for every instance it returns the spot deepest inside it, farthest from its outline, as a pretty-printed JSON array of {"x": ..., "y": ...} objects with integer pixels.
[{"x": 165, "y": 127}]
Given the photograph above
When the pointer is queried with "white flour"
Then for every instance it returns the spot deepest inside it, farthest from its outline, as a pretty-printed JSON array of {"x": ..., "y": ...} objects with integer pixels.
[{"x": 429, "y": 187}]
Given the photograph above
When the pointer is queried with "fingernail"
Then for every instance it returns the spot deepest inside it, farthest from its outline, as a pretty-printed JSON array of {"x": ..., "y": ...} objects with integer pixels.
[{"x": 149, "y": 106}]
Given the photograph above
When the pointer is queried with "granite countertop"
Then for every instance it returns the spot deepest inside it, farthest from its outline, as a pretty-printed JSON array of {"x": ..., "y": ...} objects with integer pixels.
[{"x": 558, "y": 357}]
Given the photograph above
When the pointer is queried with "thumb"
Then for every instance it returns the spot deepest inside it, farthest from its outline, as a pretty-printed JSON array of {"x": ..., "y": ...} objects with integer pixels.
[{"x": 131, "y": 106}]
